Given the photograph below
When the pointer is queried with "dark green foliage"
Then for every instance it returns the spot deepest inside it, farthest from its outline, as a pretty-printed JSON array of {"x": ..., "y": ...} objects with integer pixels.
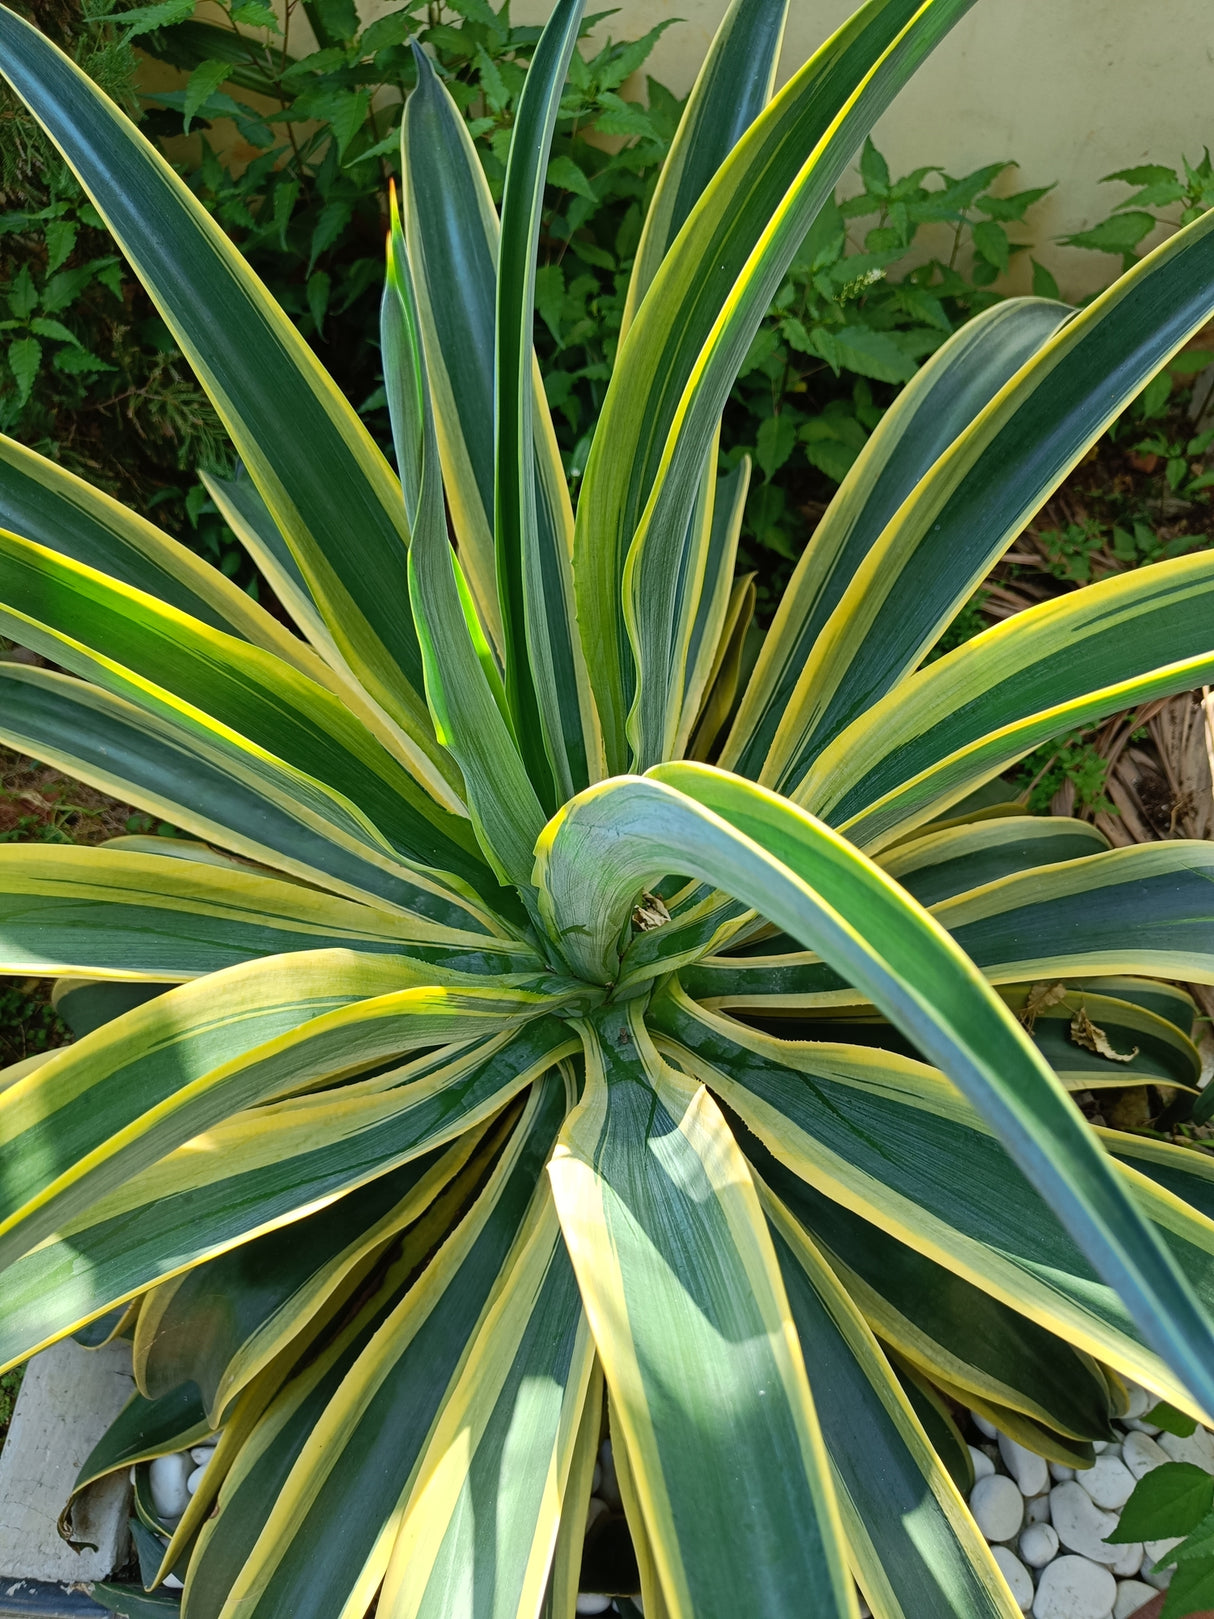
[
  {"x": 292, "y": 149},
  {"x": 304, "y": 191},
  {"x": 10, "y": 1384},
  {"x": 851, "y": 325}
]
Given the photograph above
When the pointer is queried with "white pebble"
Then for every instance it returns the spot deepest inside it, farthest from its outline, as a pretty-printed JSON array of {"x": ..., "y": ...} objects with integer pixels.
[
  {"x": 195, "y": 1479},
  {"x": 985, "y": 1427},
  {"x": 1131, "y": 1595},
  {"x": 1197, "y": 1448},
  {"x": 1061, "y": 1474},
  {"x": 596, "y": 1478},
  {"x": 998, "y": 1507},
  {"x": 1160, "y": 1551},
  {"x": 1074, "y": 1588},
  {"x": 983, "y": 1465},
  {"x": 1100, "y": 1446},
  {"x": 1127, "y": 1561},
  {"x": 1110, "y": 1483},
  {"x": 1082, "y": 1526},
  {"x": 1030, "y": 1471},
  {"x": 1160, "y": 1578},
  {"x": 201, "y": 1454},
  {"x": 591, "y": 1602},
  {"x": 1039, "y": 1544},
  {"x": 595, "y": 1510},
  {"x": 167, "y": 1476},
  {"x": 172, "y": 1582},
  {"x": 1141, "y": 1454},
  {"x": 1140, "y": 1401},
  {"x": 1038, "y": 1509},
  {"x": 1139, "y": 1426},
  {"x": 1020, "y": 1581}
]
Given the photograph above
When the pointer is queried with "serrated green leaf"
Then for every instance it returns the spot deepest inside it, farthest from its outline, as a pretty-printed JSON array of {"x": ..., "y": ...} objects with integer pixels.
[
  {"x": 1171, "y": 1420},
  {"x": 60, "y": 240},
  {"x": 254, "y": 14},
  {"x": 24, "y": 360},
  {"x": 492, "y": 83},
  {"x": 1170, "y": 1500},
  {"x": 1143, "y": 174},
  {"x": 1191, "y": 1590},
  {"x": 831, "y": 457},
  {"x": 78, "y": 362},
  {"x": 205, "y": 79},
  {"x": 318, "y": 289},
  {"x": 1121, "y": 233},
  {"x": 1044, "y": 284},
  {"x": 777, "y": 436},
  {"x": 54, "y": 329},
  {"x": 333, "y": 21},
  {"x": 22, "y": 294},
  {"x": 564, "y": 173},
  {"x": 871, "y": 354},
  {"x": 143, "y": 19},
  {"x": 1015, "y": 206},
  {"x": 393, "y": 29},
  {"x": 874, "y": 170},
  {"x": 991, "y": 241}
]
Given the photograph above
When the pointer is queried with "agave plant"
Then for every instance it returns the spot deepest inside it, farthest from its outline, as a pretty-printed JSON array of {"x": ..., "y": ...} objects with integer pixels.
[{"x": 544, "y": 1028}]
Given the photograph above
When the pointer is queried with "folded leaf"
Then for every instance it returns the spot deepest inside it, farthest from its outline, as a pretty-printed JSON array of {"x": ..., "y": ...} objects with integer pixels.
[{"x": 691, "y": 1322}]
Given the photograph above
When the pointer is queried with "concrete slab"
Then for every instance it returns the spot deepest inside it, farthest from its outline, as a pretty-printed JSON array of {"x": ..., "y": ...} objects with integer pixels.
[{"x": 68, "y": 1398}]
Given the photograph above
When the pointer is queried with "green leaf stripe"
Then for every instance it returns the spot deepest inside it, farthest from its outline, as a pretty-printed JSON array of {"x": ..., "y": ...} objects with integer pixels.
[
  {"x": 256, "y": 1171},
  {"x": 937, "y": 406},
  {"x": 959, "y": 721},
  {"x": 962, "y": 515},
  {"x": 691, "y": 1323}
]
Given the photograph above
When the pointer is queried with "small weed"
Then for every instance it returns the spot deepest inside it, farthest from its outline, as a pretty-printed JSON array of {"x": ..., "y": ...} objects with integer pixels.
[
  {"x": 1067, "y": 759},
  {"x": 10, "y": 1383}
]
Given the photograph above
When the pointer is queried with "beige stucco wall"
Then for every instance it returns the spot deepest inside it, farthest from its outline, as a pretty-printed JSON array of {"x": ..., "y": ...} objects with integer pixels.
[{"x": 1070, "y": 89}]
